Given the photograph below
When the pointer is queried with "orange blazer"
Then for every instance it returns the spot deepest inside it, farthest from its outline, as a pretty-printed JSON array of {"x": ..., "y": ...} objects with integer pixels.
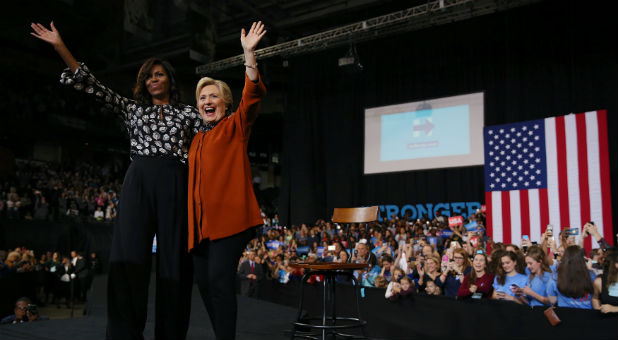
[{"x": 221, "y": 198}]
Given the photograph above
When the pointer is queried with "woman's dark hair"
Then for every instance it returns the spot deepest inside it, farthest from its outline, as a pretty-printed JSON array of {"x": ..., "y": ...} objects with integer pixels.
[
  {"x": 501, "y": 275},
  {"x": 494, "y": 266},
  {"x": 610, "y": 262},
  {"x": 140, "y": 92},
  {"x": 472, "y": 278},
  {"x": 573, "y": 275}
]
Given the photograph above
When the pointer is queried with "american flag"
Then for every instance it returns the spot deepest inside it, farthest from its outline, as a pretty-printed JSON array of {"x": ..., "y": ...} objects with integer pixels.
[{"x": 548, "y": 171}]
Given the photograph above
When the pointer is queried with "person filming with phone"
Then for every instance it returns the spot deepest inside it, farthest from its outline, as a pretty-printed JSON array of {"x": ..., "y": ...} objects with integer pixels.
[
  {"x": 456, "y": 269},
  {"x": 534, "y": 293},
  {"x": 508, "y": 279}
]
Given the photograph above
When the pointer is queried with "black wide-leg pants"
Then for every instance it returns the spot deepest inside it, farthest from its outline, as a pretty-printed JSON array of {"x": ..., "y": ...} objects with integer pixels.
[
  {"x": 216, "y": 266},
  {"x": 153, "y": 201}
]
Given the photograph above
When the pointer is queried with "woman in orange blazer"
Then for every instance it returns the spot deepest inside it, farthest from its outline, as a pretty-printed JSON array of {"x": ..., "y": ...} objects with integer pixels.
[{"x": 223, "y": 210}]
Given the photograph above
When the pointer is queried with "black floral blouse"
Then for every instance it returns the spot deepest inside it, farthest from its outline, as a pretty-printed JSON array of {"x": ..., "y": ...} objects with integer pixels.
[{"x": 154, "y": 130}]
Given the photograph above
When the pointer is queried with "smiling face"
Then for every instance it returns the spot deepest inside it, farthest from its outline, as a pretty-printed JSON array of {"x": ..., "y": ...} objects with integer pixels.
[
  {"x": 158, "y": 85},
  {"x": 405, "y": 284},
  {"x": 533, "y": 265},
  {"x": 343, "y": 255},
  {"x": 459, "y": 259},
  {"x": 430, "y": 288},
  {"x": 479, "y": 263},
  {"x": 432, "y": 265},
  {"x": 211, "y": 104},
  {"x": 508, "y": 265}
]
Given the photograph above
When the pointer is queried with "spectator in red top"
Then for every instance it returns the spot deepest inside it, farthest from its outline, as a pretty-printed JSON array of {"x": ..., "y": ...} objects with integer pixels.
[{"x": 479, "y": 283}]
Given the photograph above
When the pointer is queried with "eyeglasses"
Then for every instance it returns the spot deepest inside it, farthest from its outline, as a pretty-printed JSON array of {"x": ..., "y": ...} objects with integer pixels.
[{"x": 458, "y": 258}]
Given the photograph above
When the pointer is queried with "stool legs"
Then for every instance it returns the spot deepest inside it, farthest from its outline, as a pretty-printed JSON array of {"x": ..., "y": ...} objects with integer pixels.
[
  {"x": 300, "y": 303},
  {"x": 329, "y": 296},
  {"x": 324, "y": 301},
  {"x": 357, "y": 288}
]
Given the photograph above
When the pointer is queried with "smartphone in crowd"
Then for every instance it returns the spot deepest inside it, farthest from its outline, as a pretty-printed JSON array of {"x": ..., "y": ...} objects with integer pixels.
[{"x": 572, "y": 231}]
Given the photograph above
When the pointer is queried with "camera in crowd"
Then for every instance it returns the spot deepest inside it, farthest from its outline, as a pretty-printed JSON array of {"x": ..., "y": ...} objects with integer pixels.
[{"x": 32, "y": 309}]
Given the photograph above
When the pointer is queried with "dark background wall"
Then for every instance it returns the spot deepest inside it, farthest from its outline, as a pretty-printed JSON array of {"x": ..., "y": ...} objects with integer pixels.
[{"x": 547, "y": 59}]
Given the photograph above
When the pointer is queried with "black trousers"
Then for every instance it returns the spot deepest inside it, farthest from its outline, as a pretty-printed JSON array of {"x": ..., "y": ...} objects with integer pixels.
[
  {"x": 216, "y": 264},
  {"x": 153, "y": 201}
]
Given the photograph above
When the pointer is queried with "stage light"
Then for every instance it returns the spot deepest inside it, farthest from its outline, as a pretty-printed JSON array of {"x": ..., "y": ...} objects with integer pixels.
[{"x": 350, "y": 61}]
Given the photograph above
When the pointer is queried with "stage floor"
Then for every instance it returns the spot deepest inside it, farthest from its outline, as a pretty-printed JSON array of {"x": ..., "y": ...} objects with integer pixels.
[{"x": 257, "y": 319}]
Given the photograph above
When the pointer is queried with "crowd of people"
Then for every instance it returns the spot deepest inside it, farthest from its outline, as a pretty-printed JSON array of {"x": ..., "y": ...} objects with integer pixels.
[
  {"x": 428, "y": 257},
  {"x": 44, "y": 191},
  {"x": 51, "y": 277}
]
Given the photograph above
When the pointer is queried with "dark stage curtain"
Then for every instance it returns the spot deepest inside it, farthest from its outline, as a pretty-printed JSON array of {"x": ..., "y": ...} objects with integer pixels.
[{"x": 546, "y": 59}]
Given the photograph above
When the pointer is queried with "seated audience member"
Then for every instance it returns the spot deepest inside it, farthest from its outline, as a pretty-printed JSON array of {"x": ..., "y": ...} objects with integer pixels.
[
  {"x": 363, "y": 255},
  {"x": 605, "y": 296},
  {"x": 343, "y": 256},
  {"x": 24, "y": 311},
  {"x": 478, "y": 283},
  {"x": 405, "y": 289},
  {"x": 508, "y": 278},
  {"x": 539, "y": 278},
  {"x": 451, "y": 278},
  {"x": 572, "y": 286}
]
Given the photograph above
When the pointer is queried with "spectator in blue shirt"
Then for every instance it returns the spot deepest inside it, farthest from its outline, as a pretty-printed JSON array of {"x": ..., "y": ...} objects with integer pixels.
[
  {"x": 573, "y": 285},
  {"x": 539, "y": 278},
  {"x": 508, "y": 278}
]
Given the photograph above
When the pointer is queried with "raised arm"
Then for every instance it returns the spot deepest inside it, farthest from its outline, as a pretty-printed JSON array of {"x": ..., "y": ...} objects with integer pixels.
[
  {"x": 53, "y": 38},
  {"x": 592, "y": 230},
  {"x": 249, "y": 41},
  {"x": 81, "y": 79}
]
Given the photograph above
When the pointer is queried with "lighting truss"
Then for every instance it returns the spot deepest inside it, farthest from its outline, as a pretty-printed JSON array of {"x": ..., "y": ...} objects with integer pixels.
[{"x": 432, "y": 13}]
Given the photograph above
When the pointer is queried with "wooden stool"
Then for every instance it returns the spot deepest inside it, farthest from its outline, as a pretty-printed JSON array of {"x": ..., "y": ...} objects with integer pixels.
[
  {"x": 328, "y": 324},
  {"x": 333, "y": 324}
]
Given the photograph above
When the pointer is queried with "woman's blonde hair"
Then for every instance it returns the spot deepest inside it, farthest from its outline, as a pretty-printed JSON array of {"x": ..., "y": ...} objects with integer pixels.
[
  {"x": 224, "y": 90},
  {"x": 380, "y": 282}
]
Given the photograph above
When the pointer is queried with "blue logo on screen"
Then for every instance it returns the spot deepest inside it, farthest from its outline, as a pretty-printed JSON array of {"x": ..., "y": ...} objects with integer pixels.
[{"x": 425, "y": 134}]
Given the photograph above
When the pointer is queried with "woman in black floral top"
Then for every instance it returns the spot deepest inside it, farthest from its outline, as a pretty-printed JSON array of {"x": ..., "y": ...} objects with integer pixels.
[{"x": 153, "y": 198}]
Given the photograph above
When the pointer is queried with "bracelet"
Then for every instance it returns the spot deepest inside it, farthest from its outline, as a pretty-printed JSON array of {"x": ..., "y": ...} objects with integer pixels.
[{"x": 254, "y": 66}]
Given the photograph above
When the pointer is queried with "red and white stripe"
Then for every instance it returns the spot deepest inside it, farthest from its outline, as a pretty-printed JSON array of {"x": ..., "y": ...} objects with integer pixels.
[{"x": 578, "y": 185}]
